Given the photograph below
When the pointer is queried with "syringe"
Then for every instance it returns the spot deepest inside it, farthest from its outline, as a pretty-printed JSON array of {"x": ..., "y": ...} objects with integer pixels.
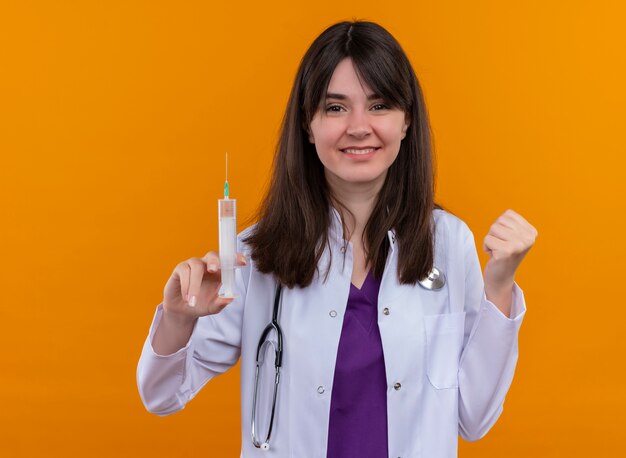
[{"x": 227, "y": 209}]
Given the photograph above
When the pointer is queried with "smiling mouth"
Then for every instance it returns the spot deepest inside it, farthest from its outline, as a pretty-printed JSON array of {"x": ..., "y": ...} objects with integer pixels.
[{"x": 359, "y": 151}]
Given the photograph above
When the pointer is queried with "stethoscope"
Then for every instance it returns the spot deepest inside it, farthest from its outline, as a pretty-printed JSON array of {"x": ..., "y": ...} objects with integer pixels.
[
  {"x": 278, "y": 361},
  {"x": 435, "y": 280}
]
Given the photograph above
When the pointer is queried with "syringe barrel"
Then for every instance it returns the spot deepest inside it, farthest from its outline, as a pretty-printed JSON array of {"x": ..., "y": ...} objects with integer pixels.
[
  {"x": 227, "y": 215},
  {"x": 227, "y": 208}
]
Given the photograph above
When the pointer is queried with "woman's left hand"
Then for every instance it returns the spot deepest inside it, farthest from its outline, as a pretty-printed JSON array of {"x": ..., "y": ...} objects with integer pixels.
[{"x": 507, "y": 242}]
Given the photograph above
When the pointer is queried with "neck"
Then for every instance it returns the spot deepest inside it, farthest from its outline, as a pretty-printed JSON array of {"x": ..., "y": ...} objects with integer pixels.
[{"x": 359, "y": 200}]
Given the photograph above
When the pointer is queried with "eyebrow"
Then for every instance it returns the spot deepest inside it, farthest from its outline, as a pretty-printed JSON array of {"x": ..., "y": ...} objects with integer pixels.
[{"x": 332, "y": 95}]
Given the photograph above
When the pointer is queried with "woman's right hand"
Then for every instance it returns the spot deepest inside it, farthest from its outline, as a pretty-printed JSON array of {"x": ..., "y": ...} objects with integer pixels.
[{"x": 192, "y": 289}]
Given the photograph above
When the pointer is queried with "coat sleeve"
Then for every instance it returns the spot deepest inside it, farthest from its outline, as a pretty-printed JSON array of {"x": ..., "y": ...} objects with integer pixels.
[
  {"x": 490, "y": 350},
  {"x": 167, "y": 382}
]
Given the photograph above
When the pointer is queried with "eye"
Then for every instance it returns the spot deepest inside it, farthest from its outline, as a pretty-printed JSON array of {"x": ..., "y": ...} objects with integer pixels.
[
  {"x": 380, "y": 106},
  {"x": 333, "y": 108}
]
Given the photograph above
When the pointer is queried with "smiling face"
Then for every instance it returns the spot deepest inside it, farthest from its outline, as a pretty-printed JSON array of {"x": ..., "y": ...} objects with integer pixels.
[{"x": 356, "y": 133}]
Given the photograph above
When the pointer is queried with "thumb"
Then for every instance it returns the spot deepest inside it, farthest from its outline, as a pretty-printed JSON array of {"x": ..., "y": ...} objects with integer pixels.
[{"x": 486, "y": 248}]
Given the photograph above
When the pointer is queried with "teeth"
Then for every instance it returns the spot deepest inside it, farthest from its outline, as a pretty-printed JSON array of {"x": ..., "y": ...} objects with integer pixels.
[{"x": 359, "y": 151}]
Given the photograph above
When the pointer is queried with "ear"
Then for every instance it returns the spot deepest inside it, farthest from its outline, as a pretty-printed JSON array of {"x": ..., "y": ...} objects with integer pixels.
[
  {"x": 307, "y": 129},
  {"x": 407, "y": 123}
]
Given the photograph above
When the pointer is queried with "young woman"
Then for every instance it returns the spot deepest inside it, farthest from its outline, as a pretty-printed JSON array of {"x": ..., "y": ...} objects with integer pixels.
[{"x": 390, "y": 343}]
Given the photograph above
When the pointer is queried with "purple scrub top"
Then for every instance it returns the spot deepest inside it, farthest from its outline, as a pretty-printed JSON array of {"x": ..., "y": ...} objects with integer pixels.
[{"x": 358, "y": 406}]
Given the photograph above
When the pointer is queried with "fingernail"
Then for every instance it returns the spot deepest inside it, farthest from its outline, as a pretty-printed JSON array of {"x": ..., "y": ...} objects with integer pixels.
[
  {"x": 212, "y": 268},
  {"x": 192, "y": 301}
]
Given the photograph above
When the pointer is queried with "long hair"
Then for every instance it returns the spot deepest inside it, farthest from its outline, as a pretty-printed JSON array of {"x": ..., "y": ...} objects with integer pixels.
[{"x": 294, "y": 217}]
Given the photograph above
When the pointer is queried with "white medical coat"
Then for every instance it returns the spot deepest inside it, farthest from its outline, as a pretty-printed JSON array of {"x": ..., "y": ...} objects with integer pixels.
[{"x": 449, "y": 355}]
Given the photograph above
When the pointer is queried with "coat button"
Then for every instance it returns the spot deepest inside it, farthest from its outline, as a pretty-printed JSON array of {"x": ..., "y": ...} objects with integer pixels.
[
  {"x": 320, "y": 389},
  {"x": 397, "y": 386},
  {"x": 343, "y": 249},
  {"x": 332, "y": 313},
  {"x": 385, "y": 311}
]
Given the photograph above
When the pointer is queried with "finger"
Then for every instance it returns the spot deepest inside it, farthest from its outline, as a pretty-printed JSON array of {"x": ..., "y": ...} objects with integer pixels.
[
  {"x": 219, "y": 303},
  {"x": 197, "y": 268},
  {"x": 521, "y": 221},
  {"x": 502, "y": 232},
  {"x": 506, "y": 219},
  {"x": 492, "y": 243},
  {"x": 241, "y": 259},
  {"x": 182, "y": 271},
  {"x": 223, "y": 301},
  {"x": 524, "y": 232},
  {"x": 212, "y": 261},
  {"x": 516, "y": 216}
]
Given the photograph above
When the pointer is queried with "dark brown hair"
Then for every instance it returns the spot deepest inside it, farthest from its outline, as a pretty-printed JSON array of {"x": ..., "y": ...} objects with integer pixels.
[{"x": 294, "y": 217}]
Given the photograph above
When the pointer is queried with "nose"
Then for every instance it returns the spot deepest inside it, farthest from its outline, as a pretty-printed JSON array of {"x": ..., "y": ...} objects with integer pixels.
[{"x": 358, "y": 125}]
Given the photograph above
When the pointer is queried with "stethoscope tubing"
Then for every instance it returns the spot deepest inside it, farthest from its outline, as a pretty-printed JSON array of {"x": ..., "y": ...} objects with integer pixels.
[
  {"x": 435, "y": 281},
  {"x": 278, "y": 361}
]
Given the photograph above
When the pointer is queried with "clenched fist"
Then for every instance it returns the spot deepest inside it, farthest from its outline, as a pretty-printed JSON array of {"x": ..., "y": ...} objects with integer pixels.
[{"x": 509, "y": 238}]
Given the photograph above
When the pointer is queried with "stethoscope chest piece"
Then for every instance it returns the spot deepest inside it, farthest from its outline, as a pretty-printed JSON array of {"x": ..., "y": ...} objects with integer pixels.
[{"x": 436, "y": 280}]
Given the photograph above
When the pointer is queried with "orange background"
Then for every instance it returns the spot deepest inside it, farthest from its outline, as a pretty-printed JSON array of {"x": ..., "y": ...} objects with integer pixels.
[{"x": 114, "y": 119}]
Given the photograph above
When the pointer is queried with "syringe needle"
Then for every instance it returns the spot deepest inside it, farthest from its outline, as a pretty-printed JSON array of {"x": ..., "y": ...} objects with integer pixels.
[{"x": 226, "y": 190}]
